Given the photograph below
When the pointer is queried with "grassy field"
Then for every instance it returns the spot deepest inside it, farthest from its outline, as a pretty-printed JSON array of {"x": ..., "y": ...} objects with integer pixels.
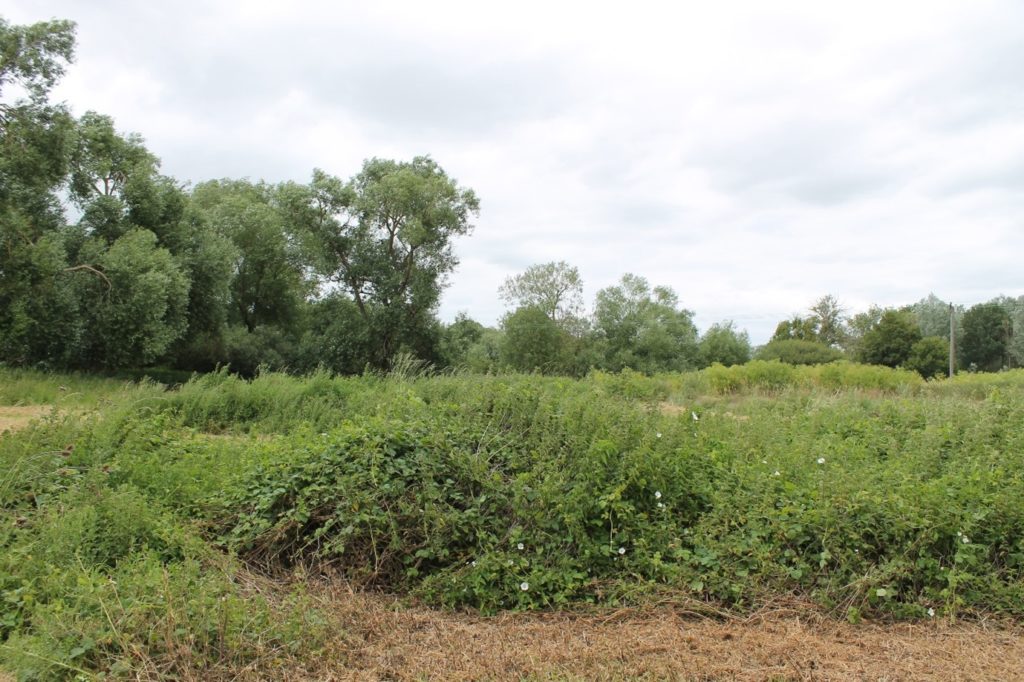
[{"x": 194, "y": 532}]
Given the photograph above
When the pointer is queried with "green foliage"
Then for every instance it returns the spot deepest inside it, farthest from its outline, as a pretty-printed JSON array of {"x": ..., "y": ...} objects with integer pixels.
[
  {"x": 386, "y": 238},
  {"x": 721, "y": 343},
  {"x": 796, "y": 328},
  {"x": 829, "y": 318},
  {"x": 987, "y": 333},
  {"x": 929, "y": 357},
  {"x": 34, "y": 56},
  {"x": 863, "y": 488},
  {"x": 643, "y": 328},
  {"x": 555, "y": 288},
  {"x": 932, "y": 314},
  {"x": 891, "y": 340},
  {"x": 138, "y": 307},
  {"x": 798, "y": 352},
  {"x": 268, "y": 284},
  {"x": 457, "y": 339},
  {"x": 534, "y": 342}
]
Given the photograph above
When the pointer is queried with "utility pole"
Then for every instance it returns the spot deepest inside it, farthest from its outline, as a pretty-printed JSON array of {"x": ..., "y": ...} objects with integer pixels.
[{"x": 952, "y": 343}]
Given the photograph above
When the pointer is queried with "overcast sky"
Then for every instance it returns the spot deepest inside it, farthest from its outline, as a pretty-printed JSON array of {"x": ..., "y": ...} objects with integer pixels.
[{"x": 751, "y": 155}]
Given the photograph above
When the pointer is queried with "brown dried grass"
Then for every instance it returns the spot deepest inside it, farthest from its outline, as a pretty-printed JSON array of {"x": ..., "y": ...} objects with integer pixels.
[
  {"x": 379, "y": 639},
  {"x": 18, "y": 417}
]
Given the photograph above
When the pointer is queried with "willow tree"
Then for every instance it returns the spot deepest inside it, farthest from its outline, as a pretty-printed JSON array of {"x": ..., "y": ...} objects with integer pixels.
[{"x": 385, "y": 239}]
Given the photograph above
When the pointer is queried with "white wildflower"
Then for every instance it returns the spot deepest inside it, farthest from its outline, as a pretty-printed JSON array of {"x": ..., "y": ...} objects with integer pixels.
[
  {"x": 520, "y": 546},
  {"x": 821, "y": 460},
  {"x": 622, "y": 550},
  {"x": 931, "y": 612},
  {"x": 657, "y": 494},
  {"x": 472, "y": 563},
  {"x": 965, "y": 539},
  {"x": 776, "y": 473},
  {"x": 661, "y": 505},
  {"x": 695, "y": 417},
  {"x": 658, "y": 434},
  {"x": 524, "y": 586}
]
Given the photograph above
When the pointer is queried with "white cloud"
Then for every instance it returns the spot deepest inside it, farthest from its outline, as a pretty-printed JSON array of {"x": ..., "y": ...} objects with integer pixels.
[{"x": 754, "y": 156}]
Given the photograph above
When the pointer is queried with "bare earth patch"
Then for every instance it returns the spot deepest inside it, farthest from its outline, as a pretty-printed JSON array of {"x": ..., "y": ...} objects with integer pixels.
[
  {"x": 378, "y": 640},
  {"x": 18, "y": 417}
]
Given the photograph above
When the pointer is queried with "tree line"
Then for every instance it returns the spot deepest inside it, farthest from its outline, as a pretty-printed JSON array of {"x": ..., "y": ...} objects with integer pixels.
[{"x": 106, "y": 263}]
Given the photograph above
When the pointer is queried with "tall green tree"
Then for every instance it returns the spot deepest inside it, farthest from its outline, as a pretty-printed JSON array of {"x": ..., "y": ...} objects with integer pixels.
[
  {"x": 932, "y": 315},
  {"x": 268, "y": 283},
  {"x": 723, "y": 344},
  {"x": 890, "y": 341},
  {"x": 457, "y": 338},
  {"x": 796, "y": 327},
  {"x": 829, "y": 318},
  {"x": 555, "y": 288},
  {"x": 139, "y": 305},
  {"x": 39, "y": 321},
  {"x": 644, "y": 329},
  {"x": 386, "y": 238},
  {"x": 534, "y": 342},
  {"x": 1014, "y": 307},
  {"x": 988, "y": 331}
]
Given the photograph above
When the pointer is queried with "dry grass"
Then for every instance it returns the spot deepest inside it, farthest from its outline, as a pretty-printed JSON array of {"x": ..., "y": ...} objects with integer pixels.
[
  {"x": 18, "y": 417},
  {"x": 378, "y": 639}
]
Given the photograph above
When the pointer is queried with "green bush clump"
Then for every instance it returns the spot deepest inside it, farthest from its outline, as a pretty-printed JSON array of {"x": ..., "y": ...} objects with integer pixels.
[
  {"x": 440, "y": 506},
  {"x": 799, "y": 352}
]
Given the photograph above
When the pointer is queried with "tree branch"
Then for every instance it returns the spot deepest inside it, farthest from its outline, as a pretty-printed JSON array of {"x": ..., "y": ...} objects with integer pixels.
[{"x": 94, "y": 271}]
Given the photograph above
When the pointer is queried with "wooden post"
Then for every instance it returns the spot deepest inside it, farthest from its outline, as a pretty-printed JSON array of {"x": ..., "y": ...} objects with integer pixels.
[{"x": 952, "y": 343}]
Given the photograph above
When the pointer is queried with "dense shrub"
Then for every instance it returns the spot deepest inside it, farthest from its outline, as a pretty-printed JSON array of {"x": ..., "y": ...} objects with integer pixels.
[{"x": 798, "y": 352}]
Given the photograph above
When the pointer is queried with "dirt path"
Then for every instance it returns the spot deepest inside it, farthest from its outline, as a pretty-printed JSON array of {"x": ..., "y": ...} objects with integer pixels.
[
  {"x": 383, "y": 642},
  {"x": 18, "y": 417}
]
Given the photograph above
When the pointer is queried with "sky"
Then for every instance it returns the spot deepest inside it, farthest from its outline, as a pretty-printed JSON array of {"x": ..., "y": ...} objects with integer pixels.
[{"x": 753, "y": 156}]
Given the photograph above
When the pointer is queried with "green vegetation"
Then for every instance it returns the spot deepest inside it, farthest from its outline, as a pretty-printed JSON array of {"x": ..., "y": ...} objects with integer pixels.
[{"x": 129, "y": 535}]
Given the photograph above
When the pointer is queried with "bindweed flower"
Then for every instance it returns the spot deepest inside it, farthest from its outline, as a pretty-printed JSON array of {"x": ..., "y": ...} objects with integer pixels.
[
  {"x": 776, "y": 473},
  {"x": 965, "y": 540},
  {"x": 524, "y": 586},
  {"x": 821, "y": 460},
  {"x": 657, "y": 494},
  {"x": 622, "y": 550},
  {"x": 764, "y": 461},
  {"x": 695, "y": 417},
  {"x": 931, "y": 612},
  {"x": 658, "y": 434},
  {"x": 520, "y": 546},
  {"x": 472, "y": 563},
  {"x": 661, "y": 505}
]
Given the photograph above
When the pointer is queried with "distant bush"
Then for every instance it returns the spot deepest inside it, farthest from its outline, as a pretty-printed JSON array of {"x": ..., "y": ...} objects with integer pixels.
[
  {"x": 798, "y": 352},
  {"x": 929, "y": 357}
]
